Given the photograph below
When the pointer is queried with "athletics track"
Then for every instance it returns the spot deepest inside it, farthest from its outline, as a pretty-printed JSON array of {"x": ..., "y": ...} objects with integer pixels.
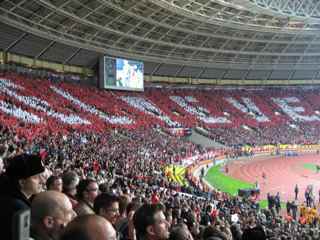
[{"x": 282, "y": 173}]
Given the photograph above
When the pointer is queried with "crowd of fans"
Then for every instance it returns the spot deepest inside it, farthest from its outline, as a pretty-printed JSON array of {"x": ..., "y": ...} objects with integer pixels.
[
  {"x": 117, "y": 152},
  {"x": 34, "y": 107},
  {"x": 98, "y": 182},
  {"x": 71, "y": 206},
  {"x": 282, "y": 134}
]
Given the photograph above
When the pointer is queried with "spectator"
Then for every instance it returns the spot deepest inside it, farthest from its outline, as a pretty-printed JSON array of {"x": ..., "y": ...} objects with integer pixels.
[
  {"x": 70, "y": 182},
  {"x": 155, "y": 197},
  {"x": 277, "y": 203},
  {"x": 89, "y": 227},
  {"x": 123, "y": 204},
  {"x": 253, "y": 230},
  {"x": 125, "y": 226},
  {"x": 180, "y": 232},
  {"x": 236, "y": 231},
  {"x": 213, "y": 232},
  {"x": 21, "y": 181},
  {"x": 296, "y": 192},
  {"x": 87, "y": 191},
  {"x": 254, "y": 233},
  {"x": 54, "y": 183},
  {"x": 150, "y": 223},
  {"x": 107, "y": 206},
  {"x": 191, "y": 222},
  {"x": 51, "y": 211},
  {"x": 206, "y": 218}
]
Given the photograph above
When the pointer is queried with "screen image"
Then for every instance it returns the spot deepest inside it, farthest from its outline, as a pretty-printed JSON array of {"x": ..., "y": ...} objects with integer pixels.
[
  {"x": 122, "y": 74},
  {"x": 129, "y": 73}
]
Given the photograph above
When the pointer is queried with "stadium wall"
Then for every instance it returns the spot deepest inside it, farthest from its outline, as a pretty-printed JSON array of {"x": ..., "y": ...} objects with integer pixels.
[
  {"x": 35, "y": 63},
  {"x": 62, "y": 68},
  {"x": 229, "y": 82}
]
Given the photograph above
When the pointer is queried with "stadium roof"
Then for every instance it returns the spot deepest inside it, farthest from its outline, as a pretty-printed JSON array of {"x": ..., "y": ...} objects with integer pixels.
[{"x": 240, "y": 35}]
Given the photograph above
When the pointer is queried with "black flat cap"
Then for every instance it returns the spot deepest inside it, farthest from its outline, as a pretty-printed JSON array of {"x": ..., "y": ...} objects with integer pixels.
[{"x": 24, "y": 166}]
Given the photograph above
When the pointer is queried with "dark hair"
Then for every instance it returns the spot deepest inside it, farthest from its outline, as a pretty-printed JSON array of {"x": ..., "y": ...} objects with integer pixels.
[
  {"x": 211, "y": 232},
  {"x": 50, "y": 181},
  {"x": 189, "y": 219},
  {"x": 82, "y": 186},
  {"x": 104, "y": 200},
  {"x": 132, "y": 206},
  {"x": 178, "y": 232},
  {"x": 254, "y": 233},
  {"x": 104, "y": 187},
  {"x": 144, "y": 217},
  {"x": 69, "y": 179},
  {"x": 123, "y": 203}
]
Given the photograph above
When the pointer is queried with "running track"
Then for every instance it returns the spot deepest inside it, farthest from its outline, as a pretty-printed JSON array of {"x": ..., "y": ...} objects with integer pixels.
[{"x": 282, "y": 173}]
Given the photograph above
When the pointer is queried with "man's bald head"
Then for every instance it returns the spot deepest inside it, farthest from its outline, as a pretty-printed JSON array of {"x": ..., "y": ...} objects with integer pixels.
[
  {"x": 51, "y": 203},
  {"x": 51, "y": 211},
  {"x": 89, "y": 227}
]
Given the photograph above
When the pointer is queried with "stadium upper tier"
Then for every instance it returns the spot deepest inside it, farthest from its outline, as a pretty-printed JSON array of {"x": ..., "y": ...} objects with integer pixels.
[
  {"x": 35, "y": 107},
  {"x": 246, "y": 34}
]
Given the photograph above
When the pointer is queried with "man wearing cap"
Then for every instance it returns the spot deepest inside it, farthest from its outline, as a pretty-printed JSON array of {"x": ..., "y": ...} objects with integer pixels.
[{"x": 21, "y": 180}]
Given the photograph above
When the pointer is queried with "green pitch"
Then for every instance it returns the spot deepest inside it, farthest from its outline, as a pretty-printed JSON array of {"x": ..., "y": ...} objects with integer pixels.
[
  {"x": 225, "y": 183},
  {"x": 310, "y": 166}
]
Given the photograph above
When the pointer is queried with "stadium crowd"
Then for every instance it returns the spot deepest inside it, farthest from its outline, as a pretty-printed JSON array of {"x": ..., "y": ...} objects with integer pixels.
[
  {"x": 71, "y": 206},
  {"x": 264, "y": 135},
  {"x": 46, "y": 107},
  {"x": 110, "y": 184}
]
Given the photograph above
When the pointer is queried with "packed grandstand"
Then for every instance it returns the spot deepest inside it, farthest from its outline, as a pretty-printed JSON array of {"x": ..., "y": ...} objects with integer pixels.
[
  {"x": 132, "y": 137},
  {"x": 82, "y": 157}
]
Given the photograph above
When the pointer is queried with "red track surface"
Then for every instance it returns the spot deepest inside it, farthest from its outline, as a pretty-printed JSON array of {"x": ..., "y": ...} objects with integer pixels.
[{"x": 282, "y": 173}]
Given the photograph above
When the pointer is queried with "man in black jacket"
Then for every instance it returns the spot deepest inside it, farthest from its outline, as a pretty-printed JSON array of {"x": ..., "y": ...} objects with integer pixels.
[{"x": 21, "y": 180}]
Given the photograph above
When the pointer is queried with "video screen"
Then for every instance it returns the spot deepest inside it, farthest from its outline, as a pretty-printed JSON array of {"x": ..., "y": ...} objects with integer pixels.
[{"x": 123, "y": 74}]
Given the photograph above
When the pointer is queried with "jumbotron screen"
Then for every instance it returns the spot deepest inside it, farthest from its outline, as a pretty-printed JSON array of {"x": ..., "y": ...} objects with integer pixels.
[{"x": 122, "y": 74}]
